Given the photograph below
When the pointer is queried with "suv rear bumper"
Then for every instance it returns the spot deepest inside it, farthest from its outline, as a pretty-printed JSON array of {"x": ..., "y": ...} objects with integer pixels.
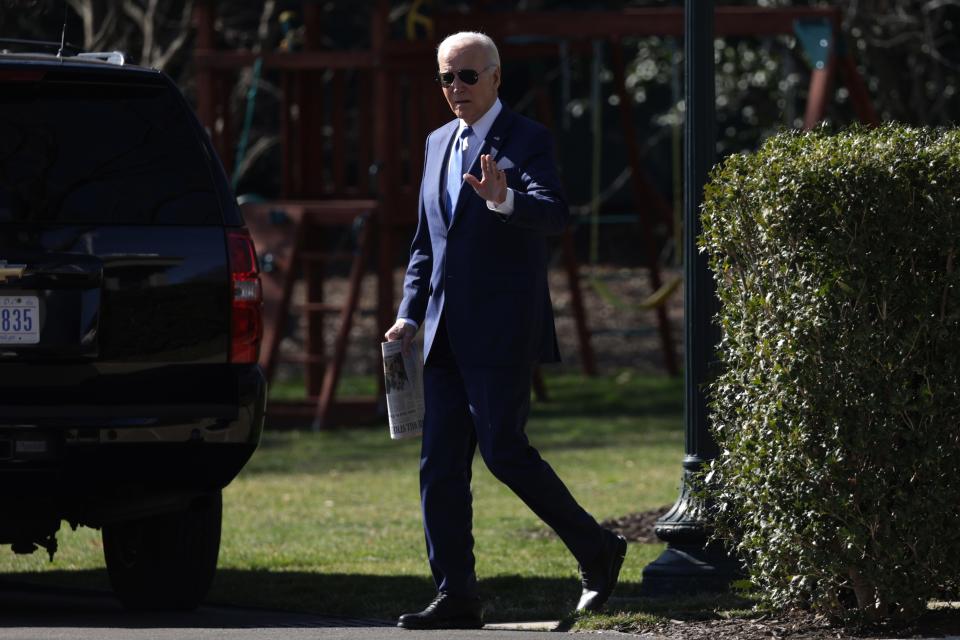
[{"x": 96, "y": 464}]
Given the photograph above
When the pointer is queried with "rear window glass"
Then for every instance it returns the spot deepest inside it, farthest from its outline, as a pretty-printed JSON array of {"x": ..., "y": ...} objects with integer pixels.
[{"x": 95, "y": 153}]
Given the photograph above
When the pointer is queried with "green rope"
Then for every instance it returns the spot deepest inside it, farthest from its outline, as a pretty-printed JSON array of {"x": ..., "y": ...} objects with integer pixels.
[{"x": 247, "y": 120}]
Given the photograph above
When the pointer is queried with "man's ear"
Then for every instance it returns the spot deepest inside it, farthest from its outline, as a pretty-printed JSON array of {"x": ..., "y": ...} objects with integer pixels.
[{"x": 496, "y": 76}]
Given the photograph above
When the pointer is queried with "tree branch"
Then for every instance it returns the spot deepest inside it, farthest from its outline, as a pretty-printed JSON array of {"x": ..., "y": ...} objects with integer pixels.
[
  {"x": 100, "y": 38},
  {"x": 84, "y": 9},
  {"x": 933, "y": 5},
  {"x": 137, "y": 16},
  {"x": 183, "y": 34},
  {"x": 263, "y": 30},
  {"x": 133, "y": 11},
  {"x": 149, "y": 32},
  {"x": 259, "y": 148}
]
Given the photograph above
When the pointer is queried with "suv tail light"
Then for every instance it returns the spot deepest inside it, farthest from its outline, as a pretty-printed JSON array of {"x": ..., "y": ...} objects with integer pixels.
[
  {"x": 246, "y": 328},
  {"x": 21, "y": 75}
]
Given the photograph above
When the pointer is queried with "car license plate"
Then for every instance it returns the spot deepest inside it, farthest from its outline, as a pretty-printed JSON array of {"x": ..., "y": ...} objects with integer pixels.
[{"x": 19, "y": 319}]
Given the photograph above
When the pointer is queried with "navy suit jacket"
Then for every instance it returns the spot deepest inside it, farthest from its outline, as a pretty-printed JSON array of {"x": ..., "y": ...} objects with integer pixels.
[{"x": 487, "y": 273}]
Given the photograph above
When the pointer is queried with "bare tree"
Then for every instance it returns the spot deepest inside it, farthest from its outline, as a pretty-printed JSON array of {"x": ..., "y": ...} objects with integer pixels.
[
  {"x": 911, "y": 56},
  {"x": 159, "y": 29}
]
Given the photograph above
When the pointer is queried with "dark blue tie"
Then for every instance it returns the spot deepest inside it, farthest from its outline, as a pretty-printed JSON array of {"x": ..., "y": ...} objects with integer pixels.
[{"x": 458, "y": 165}]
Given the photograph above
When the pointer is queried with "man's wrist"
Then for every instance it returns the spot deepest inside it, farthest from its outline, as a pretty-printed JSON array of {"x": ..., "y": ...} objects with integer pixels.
[{"x": 505, "y": 207}]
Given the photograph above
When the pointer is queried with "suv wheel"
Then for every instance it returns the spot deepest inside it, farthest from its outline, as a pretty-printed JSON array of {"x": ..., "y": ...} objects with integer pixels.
[{"x": 168, "y": 561}]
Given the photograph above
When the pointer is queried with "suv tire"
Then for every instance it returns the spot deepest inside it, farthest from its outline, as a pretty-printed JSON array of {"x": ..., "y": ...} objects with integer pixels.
[{"x": 165, "y": 562}]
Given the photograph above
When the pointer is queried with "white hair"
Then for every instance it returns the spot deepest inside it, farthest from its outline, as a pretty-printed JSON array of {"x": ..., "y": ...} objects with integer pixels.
[{"x": 467, "y": 38}]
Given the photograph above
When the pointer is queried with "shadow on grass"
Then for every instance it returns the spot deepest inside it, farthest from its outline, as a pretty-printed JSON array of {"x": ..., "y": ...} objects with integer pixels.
[{"x": 82, "y": 598}]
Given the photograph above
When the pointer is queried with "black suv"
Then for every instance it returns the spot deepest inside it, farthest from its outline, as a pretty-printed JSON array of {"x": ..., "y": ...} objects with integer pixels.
[{"x": 130, "y": 322}]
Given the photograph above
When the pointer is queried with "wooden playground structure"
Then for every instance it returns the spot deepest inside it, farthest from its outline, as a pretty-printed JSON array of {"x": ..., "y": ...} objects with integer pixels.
[{"x": 352, "y": 128}]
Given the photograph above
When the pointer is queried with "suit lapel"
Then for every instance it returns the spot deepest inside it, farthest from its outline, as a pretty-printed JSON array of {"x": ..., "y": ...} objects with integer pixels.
[{"x": 492, "y": 145}]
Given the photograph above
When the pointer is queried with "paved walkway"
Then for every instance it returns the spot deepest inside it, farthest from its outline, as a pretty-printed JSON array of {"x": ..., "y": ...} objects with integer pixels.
[
  {"x": 31, "y": 612},
  {"x": 51, "y": 613}
]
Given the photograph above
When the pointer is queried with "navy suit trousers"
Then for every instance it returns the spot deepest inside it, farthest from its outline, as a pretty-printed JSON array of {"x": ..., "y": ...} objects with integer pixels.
[{"x": 485, "y": 406}]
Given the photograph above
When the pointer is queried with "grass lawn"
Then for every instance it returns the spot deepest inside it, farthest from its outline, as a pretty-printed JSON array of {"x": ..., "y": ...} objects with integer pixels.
[{"x": 330, "y": 522}]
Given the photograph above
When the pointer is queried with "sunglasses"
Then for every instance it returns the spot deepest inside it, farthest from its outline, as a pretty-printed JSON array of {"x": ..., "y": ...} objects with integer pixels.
[{"x": 467, "y": 76}]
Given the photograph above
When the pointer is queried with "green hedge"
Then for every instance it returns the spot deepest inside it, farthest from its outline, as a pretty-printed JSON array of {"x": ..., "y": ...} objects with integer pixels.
[{"x": 837, "y": 408}]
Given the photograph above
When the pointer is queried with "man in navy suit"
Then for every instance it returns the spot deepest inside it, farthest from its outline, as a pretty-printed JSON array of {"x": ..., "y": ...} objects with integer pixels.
[{"x": 477, "y": 283}]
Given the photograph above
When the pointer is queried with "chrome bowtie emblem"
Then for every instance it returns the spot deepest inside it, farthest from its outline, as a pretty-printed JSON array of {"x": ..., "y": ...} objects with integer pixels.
[{"x": 11, "y": 271}]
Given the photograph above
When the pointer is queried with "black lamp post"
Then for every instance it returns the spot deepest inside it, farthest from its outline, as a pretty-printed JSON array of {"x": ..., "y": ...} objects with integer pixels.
[{"x": 689, "y": 564}]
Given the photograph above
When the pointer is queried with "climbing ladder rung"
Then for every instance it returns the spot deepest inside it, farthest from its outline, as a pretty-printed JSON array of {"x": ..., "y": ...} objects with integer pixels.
[
  {"x": 310, "y": 257},
  {"x": 328, "y": 307},
  {"x": 290, "y": 231},
  {"x": 302, "y": 358},
  {"x": 317, "y": 307}
]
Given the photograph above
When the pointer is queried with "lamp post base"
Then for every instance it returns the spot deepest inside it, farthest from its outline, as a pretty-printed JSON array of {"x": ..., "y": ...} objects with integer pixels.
[
  {"x": 691, "y": 563},
  {"x": 687, "y": 569}
]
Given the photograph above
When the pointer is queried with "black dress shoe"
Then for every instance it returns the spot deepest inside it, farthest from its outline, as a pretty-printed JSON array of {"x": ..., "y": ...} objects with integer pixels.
[
  {"x": 445, "y": 612},
  {"x": 601, "y": 576}
]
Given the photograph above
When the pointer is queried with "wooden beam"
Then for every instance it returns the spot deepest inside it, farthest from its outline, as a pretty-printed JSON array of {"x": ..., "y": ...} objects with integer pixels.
[
  {"x": 568, "y": 255},
  {"x": 338, "y": 123},
  {"x": 588, "y": 363},
  {"x": 821, "y": 90},
  {"x": 528, "y": 25},
  {"x": 387, "y": 177},
  {"x": 203, "y": 28},
  {"x": 646, "y": 199},
  {"x": 311, "y": 238},
  {"x": 335, "y": 365},
  {"x": 859, "y": 95},
  {"x": 303, "y": 60},
  {"x": 667, "y": 21},
  {"x": 312, "y": 26},
  {"x": 203, "y": 38},
  {"x": 645, "y": 194}
]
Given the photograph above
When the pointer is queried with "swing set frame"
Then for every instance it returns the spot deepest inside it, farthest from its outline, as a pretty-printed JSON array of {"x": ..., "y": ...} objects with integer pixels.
[{"x": 352, "y": 128}]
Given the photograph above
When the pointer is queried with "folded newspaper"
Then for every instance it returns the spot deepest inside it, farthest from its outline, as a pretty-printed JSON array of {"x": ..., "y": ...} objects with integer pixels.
[{"x": 403, "y": 380}]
